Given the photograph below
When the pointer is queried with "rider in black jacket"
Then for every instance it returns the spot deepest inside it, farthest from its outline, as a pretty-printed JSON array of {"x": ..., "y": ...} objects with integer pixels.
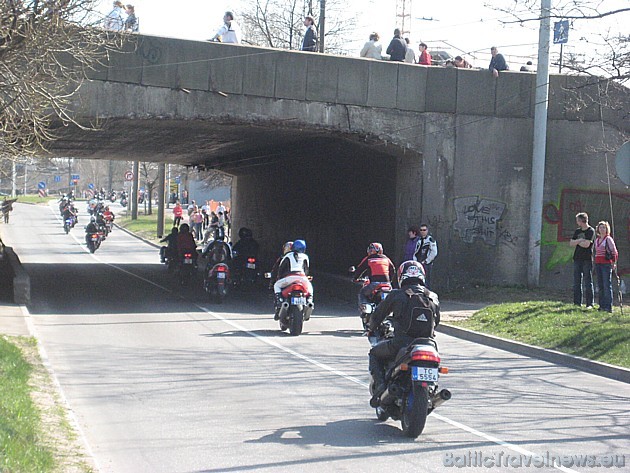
[{"x": 407, "y": 327}]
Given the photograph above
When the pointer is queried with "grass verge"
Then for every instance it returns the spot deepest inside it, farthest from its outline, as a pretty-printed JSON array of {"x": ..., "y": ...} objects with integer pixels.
[
  {"x": 21, "y": 447},
  {"x": 559, "y": 326},
  {"x": 145, "y": 226}
]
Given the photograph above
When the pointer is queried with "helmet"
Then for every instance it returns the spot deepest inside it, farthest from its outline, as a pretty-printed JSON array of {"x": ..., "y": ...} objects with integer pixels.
[
  {"x": 287, "y": 247},
  {"x": 412, "y": 272},
  {"x": 375, "y": 249},
  {"x": 299, "y": 246},
  {"x": 245, "y": 233}
]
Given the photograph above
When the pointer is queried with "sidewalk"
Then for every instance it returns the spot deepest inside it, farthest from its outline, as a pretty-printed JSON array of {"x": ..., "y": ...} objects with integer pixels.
[{"x": 12, "y": 320}]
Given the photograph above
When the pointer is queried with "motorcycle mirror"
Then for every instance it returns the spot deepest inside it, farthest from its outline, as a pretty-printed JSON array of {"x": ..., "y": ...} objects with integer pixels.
[
  {"x": 267, "y": 275},
  {"x": 352, "y": 269}
]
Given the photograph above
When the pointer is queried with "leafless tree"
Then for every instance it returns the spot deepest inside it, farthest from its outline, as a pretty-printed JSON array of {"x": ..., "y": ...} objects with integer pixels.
[
  {"x": 45, "y": 48},
  {"x": 279, "y": 24},
  {"x": 608, "y": 57}
]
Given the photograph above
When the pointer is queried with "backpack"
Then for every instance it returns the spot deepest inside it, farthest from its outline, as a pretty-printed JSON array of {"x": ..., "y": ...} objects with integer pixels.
[{"x": 420, "y": 314}]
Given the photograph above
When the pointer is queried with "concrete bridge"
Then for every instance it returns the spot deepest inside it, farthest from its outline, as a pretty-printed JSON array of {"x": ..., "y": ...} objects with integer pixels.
[{"x": 343, "y": 151}]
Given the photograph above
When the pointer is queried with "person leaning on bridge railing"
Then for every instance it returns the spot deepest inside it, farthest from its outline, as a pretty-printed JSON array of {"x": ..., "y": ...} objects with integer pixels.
[
  {"x": 372, "y": 49},
  {"x": 497, "y": 63},
  {"x": 230, "y": 32}
]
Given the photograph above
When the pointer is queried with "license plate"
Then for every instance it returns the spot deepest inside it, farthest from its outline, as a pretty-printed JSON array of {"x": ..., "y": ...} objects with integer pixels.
[
  {"x": 298, "y": 300},
  {"x": 188, "y": 261},
  {"x": 418, "y": 373},
  {"x": 221, "y": 275},
  {"x": 251, "y": 266}
]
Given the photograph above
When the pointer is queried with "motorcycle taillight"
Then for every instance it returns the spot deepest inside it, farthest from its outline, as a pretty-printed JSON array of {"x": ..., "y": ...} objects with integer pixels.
[
  {"x": 221, "y": 269},
  {"x": 425, "y": 355},
  {"x": 187, "y": 255},
  {"x": 251, "y": 260}
]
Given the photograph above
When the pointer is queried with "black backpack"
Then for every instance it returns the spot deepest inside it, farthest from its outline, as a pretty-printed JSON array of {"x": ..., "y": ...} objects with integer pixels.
[{"x": 419, "y": 314}]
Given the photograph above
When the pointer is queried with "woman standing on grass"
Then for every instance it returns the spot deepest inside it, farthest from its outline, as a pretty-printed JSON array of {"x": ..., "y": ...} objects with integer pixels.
[{"x": 605, "y": 257}]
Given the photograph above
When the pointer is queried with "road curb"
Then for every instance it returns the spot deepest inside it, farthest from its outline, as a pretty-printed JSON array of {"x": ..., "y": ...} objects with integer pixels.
[
  {"x": 128, "y": 232},
  {"x": 594, "y": 367}
]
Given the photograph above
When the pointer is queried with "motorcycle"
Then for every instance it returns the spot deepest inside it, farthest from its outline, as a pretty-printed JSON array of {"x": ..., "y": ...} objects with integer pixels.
[
  {"x": 296, "y": 307},
  {"x": 216, "y": 281},
  {"x": 123, "y": 201},
  {"x": 68, "y": 224},
  {"x": 112, "y": 197},
  {"x": 378, "y": 294},
  {"x": 247, "y": 274},
  {"x": 412, "y": 391},
  {"x": 186, "y": 269},
  {"x": 94, "y": 241}
]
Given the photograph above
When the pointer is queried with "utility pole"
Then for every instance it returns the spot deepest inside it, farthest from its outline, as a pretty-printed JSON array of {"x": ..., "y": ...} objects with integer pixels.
[
  {"x": 110, "y": 176},
  {"x": 133, "y": 198},
  {"x": 403, "y": 15},
  {"x": 13, "y": 179},
  {"x": 539, "y": 148},
  {"x": 161, "y": 198},
  {"x": 322, "y": 21}
]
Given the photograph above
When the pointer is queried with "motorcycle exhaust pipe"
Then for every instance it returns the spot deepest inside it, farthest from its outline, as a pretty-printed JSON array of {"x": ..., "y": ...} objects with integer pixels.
[
  {"x": 440, "y": 398},
  {"x": 308, "y": 310},
  {"x": 284, "y": 308},
  {"x": 390, "y": 395}
]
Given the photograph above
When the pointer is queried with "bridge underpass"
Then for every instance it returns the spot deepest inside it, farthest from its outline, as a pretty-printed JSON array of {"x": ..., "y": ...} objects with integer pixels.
[{"x": 336, "y": 192}]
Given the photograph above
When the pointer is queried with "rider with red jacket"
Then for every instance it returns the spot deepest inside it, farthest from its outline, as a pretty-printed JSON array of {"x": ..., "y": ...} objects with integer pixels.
[{"x": 378, "y": 268}]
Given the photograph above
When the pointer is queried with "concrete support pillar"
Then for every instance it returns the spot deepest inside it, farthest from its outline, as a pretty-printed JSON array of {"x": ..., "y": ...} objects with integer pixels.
[
  {"x": 133, "y": 198},
  {"x": 161, "y": 198}
]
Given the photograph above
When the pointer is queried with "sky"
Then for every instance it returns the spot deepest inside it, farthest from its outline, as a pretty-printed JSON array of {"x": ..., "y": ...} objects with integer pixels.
[{"x": 465, "y": 27}]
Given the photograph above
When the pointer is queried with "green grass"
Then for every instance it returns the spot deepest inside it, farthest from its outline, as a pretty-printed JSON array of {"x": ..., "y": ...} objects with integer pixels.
[
  {"x": 32, "y": 199},
  {"x": 560, "y": 326},
  {"x": 145, "y": 226},
  {"x": 20, "y": 447}
]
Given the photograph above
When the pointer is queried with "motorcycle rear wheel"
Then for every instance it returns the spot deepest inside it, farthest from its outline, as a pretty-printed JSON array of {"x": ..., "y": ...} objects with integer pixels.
[
  {"x": 296, "y": 320},
  {"x": 415, "y": 411},
  {"x": 66, "y": 229}
]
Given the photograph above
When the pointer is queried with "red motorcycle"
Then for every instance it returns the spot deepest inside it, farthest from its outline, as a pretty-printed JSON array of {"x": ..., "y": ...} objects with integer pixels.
[{"x": 297, "y": 306}]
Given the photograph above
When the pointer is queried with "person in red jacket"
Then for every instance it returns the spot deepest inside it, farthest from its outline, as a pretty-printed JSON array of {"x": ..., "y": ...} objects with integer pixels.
[
  {"x": 378, "y": 268},
  {"x": 425, "y": 56},
  {"x": 178, "y": 211},
  {"x": 186, "y": 243}
]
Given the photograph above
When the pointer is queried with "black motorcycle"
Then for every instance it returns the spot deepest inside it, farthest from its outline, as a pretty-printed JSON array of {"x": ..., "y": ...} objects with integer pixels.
[
  {"x": 186, "y": 269},
  {"x": 216, "y": 281},
  {"x": 378, "y": 294},
  {"x": 412, "y": 384},
  {"x": 94, "y": 240}
]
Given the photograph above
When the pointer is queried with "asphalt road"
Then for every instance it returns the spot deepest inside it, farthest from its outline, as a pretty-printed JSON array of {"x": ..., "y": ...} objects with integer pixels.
[{"x": 161, "y": 380}]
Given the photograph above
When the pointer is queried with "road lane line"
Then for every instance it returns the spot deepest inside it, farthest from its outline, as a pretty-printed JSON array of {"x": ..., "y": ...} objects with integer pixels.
[
  {"x": 74, "y": 421},
  {"x": 332, "y": 370}
]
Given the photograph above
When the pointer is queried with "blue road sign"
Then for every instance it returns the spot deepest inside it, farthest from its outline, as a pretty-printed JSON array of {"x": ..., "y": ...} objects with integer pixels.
[
  {"x": 561, "y": 32},
  {"x": 57, "y": 178},
  {"x": 72, "y": 183},
  {"x": 75, "y": 177},
  {"x": 41, "y": 185},
  {"x": 90, "y": 186},
  {"x": 178, "y": 179}
]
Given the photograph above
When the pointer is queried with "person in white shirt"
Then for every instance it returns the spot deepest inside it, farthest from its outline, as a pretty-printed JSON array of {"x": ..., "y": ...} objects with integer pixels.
[
  {"x": 220, "y": 208},
  {"x": 230, "y": 31},
  {"x": 372, "y": 49},
  {"x": 114, "y": 20},
  {"x": 410, "y": 55}
]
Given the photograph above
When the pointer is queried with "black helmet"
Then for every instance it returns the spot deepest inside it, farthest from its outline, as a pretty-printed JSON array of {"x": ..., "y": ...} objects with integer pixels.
[{"x": 245, "y": 233}]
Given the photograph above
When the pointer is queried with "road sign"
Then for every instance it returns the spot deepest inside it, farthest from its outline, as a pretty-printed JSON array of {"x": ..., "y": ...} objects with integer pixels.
[
  {"x": 57, "y": 178},
  {"x": 561, "y": 32},
  {"x": 178, "y": 179},
  {"x": 129, "y": 176},
  {"x": 623, "y": 163},
  {"x": 41, "y": 185},
  {"x": 90, "y": 186},
  {"x": 75, "y": 177}
]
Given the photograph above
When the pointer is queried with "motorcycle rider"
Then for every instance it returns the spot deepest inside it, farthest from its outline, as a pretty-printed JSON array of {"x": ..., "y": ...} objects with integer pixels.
[
  {"x": 108, "y": 215},
  {"x": 90, "y": 228},
  {"x": 69, "y": 212},
  {"x": 407, "y": 326},
  {"x": 245, "y": 247},
  {"x": 379, "y": 269},
  {"x": 186, "y": 243},
  {"x": 170, "y": 250},
  {"x": 293, "y": 267},
  {"x": 219, "y": 252}
]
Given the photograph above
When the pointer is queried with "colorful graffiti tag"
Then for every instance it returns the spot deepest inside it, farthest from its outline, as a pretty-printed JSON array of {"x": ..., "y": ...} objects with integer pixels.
[{"x": 559, "y": 223}]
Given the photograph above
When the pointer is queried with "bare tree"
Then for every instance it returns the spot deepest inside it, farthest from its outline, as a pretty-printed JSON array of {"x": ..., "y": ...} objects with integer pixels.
[
  {"x": 45, "y": 49},
  {"x": 609, "y": 57},
  {"x": 279, "y": 24}
]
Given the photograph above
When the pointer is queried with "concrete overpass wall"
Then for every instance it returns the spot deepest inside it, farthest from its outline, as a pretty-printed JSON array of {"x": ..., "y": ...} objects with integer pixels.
[{"x": 454, "y": 147}]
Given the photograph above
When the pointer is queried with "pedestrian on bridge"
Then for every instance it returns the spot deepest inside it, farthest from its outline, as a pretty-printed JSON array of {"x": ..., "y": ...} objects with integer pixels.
[
  {"x": 229, "y": 32},
  {"x": 310, "y": 35}
]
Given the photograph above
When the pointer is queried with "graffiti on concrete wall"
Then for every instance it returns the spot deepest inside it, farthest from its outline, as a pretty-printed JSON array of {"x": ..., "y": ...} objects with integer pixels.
[
  {"x": 478, "y": 218},
  {"x": 559, "y": 223}
]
